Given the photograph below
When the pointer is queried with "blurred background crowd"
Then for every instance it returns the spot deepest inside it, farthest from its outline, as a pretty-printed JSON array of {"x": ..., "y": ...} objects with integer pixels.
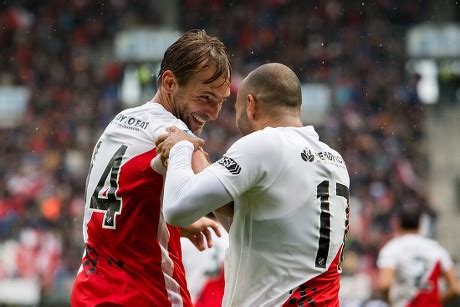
[{"x": 62, "y": 52}]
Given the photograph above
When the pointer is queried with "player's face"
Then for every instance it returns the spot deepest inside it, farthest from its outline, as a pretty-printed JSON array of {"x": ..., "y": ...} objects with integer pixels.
[
  {"x": 198, "y": 102},
  {"x": 243, "y": 123}
]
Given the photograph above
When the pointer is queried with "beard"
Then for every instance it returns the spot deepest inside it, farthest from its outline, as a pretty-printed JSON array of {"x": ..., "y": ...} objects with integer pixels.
[
  {"x": 182, "y": 111},
  {"x": 243, "y": 124}
]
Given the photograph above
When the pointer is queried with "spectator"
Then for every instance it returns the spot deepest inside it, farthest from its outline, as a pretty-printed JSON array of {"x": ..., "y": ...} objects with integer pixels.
[{"x": 59, "y": 51}]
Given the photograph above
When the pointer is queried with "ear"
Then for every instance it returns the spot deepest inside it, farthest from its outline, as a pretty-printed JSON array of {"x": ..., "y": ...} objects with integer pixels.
[
  {"x": 252, "y": 107},
  {"x": 169, "y": 81}
]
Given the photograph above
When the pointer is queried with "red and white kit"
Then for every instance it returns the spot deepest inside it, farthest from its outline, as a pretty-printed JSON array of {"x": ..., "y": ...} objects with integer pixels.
[
  {"x": 418, "y": 263},
  {"x": 205, "y": 271},
  {"x": 132, "y": 257}
]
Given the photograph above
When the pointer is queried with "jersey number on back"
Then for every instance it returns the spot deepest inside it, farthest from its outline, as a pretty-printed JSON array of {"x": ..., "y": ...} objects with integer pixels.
[
  {"x": 104, "y": 198},
  {"x": 322, "y": 191}
]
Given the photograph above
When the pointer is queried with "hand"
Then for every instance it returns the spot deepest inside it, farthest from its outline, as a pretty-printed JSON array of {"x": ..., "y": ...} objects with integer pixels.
[
  {"x": 166, "y": 141},
  {"x": 199, "y": 231}
]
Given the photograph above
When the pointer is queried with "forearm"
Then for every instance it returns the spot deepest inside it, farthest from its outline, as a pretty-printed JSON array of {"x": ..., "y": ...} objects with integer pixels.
[
  {"x": 384, "y": 282},
  {"x": 199, "y": 161},
  {"x": 189, "y": 196},
  {"x": 225, "y": 215},
  {"x": 453, "y": 288}
]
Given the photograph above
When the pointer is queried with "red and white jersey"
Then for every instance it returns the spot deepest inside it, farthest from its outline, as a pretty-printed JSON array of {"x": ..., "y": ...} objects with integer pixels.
[
  {"x": 204, "y": 270},
  {"x": 123, "y": 219},
  {"x": 418, "y": 263},
  {"x": 291, "y": 196}
]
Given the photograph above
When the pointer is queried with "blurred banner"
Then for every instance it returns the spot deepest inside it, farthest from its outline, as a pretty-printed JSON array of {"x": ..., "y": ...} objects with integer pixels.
[
  {"x": 144, "y": 44},
  {"x": 13, "y": 105},
  {"x": 434, "y": 41},
  {"x": 316, "y": 99},
  {"x": 428, "y": 85}
]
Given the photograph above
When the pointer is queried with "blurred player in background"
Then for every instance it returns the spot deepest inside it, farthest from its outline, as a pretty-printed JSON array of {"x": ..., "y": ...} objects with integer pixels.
[
  {"x": 410, "y": 266},
  {"x": 290, "y": 191},
  {"x": 132, "y": 257},
  {"x": 205, "y": 270}
]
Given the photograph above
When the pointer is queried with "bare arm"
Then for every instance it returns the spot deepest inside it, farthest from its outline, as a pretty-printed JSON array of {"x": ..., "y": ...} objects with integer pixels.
[
  {"x": 225, "y": 216},
  {"x": 453, "y": 289},
  {"x": 199, "y": 161},
  {"x": 385, "y": 279}
]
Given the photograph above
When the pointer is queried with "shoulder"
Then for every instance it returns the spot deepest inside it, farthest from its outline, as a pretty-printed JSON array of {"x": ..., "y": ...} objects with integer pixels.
[
  {"x": 438, "y": 248},
  {"x": 392, "y": 247},
  {"x": 157, "y": 117},
  {"x": 161, "y": 117},
  {"x": 147, "y": 122},
  {"x": 388, "y": 255},
  {"x": 262, "y": 141}
]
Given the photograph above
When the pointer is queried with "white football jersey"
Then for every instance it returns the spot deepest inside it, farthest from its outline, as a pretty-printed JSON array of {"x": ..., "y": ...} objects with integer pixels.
[
  {"x": 418, "y": 264},
  {"x": 291, "y": 196}
]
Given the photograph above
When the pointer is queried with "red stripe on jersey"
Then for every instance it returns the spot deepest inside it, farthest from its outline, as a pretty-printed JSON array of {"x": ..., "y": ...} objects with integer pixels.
[
  {"x": 212, "y": 292},
  {"x": 428, "y": 296},
  {"x": 135, "y": 241},
  {"x": 323, "y": 290}
]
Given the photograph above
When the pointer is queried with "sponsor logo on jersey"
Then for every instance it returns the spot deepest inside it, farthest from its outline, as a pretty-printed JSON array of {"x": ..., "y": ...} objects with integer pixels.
[
  {"x": 307, "y": 155},
  {"x": 130, "y": 122},
  {"x": 327, "y": 156},
  {"x": 230, "y": 164}
]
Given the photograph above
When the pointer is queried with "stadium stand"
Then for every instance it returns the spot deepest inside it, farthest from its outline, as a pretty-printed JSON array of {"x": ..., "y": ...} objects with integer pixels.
[{"x": 62, "y": 53}]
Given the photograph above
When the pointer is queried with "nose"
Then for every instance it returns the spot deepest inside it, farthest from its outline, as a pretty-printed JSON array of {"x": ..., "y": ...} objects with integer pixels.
[{"x": 213, "y": 110}]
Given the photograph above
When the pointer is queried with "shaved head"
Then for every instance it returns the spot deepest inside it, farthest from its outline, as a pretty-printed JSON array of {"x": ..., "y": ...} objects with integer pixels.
[{"x": 275, "y": 86}]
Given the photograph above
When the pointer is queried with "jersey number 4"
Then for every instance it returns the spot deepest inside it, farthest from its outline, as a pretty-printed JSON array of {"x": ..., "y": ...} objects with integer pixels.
[
  {"x": 104, "y": 198},
  {"x": 325, "y": 221}
]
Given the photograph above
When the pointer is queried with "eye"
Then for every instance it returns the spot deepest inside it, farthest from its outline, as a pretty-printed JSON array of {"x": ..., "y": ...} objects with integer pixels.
[{"x": 205, "y": 97}]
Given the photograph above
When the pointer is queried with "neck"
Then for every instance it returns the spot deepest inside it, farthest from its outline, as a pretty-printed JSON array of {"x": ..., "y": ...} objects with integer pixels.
[
  {"x": 408, "y": 231},
  {"x": 279, "y": 121},
  {"x": 165, "y": 100}
]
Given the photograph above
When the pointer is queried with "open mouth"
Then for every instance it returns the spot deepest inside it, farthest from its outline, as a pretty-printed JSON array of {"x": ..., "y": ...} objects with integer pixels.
[{"x": 200, "y": 121}]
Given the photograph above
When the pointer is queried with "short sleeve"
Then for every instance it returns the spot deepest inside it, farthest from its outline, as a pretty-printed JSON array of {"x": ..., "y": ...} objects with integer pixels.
[
  {"x": 387, "y": 257},
  {"x": 446, "y": 260},
  {"x": 252, "y": 162},
  {"x": 159, "y": 120},
  {"x": 168, "y": 122}
]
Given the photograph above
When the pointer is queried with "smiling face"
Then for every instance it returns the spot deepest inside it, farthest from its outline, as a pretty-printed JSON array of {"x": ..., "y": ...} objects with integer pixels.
[{"x": 197, "y": 101}]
